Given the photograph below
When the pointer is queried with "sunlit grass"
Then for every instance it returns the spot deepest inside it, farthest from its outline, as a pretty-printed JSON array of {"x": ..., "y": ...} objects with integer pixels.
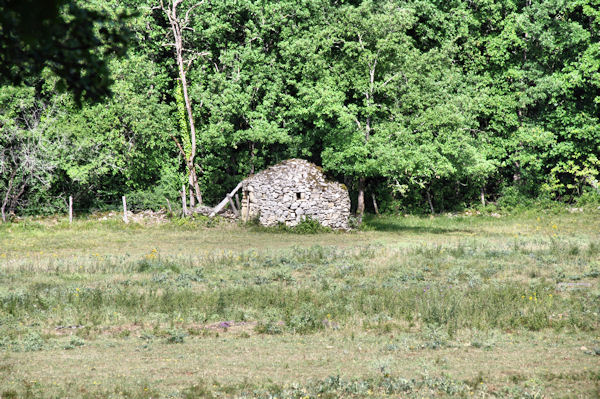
[{"x": 452, "y": 290}]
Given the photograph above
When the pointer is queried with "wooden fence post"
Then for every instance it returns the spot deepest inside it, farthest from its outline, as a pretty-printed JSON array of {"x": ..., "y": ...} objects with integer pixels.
[
  {"x": 125, "y": 219},
  {"x": 70, "y": 209}
]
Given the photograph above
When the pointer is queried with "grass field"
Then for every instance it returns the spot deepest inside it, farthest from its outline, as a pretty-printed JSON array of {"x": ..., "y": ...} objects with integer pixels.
[{"x": 454, "y": 306}]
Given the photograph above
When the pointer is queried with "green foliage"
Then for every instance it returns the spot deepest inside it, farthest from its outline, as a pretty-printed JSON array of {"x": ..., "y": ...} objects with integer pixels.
[
  {"x": 589, "y": 197},
  {"x": 307, "y": 225},
  {"x": 74, "y": 342},
  {"x": 73, "y": 40},
  {"x": 27, "y": 155},
  {"x": 271, "y": 327},
  {"x": 306, "y": 319},
  {"x": 184, "y": 128},
  {"x": 175, "y": 337},
  {"x": 33, "y": 342},
  {"x": 434, "y": 104}
]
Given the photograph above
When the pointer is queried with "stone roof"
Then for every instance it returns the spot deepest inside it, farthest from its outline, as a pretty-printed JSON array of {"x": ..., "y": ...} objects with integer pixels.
[{"x": 291, "y": 170}]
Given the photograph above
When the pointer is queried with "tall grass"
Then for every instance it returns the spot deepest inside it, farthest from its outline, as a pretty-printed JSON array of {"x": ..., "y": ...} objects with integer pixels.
[{"x": 460, "y": 286}]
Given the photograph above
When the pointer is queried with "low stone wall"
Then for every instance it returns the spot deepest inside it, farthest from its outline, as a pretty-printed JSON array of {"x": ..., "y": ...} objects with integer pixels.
[{"x": 291, "y": 191}]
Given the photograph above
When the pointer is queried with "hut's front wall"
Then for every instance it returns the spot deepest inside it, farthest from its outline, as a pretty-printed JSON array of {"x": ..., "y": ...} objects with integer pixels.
[{"x": 289, "y": 192}]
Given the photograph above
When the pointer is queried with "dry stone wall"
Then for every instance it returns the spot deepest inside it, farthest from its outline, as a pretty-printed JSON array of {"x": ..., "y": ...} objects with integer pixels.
[{"x": 291, "y": 191}]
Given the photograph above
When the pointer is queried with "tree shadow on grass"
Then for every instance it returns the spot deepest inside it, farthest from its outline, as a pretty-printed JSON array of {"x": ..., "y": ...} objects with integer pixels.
[{"x": 399, "y": 225}]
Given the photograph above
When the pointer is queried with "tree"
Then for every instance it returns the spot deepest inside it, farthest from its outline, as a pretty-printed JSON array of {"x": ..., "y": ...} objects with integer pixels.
[
  {"x": 26, "y": 156},
  {"x": 389, "y": 109},
  {"x": 184, "y": 60},
  {"x": 246, "y": 86},
  {"x": 122, "y": 146},
  {"x": 359, "y": 57}
]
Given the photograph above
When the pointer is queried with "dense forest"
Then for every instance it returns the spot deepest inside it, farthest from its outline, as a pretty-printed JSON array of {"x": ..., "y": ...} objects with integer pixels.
[{"x": 423, "y": 105}]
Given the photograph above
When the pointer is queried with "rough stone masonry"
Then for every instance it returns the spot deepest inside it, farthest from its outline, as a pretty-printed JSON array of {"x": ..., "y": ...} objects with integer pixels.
[{"x": 292, "y": 191}]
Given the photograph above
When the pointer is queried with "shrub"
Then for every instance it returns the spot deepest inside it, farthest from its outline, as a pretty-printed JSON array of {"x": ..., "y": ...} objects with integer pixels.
[
  {"x": 590, "y": 197},
  {"x": 307, "y": 319},
  {"x": 511, "y": 197}
]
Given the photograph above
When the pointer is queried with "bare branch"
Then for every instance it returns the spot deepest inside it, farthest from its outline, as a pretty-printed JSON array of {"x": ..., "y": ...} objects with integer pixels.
[
  {"x": 187, "y": 14},
  {"x": 179, "y": 146},
  {"x": 390, "y": 79},
  {"x": 358, "y": 124},
  {"x": 189, "y": 63}
]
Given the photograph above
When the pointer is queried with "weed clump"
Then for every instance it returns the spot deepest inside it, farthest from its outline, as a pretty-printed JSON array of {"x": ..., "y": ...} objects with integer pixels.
[
  {"x": 33, "y": 342},
  {"x": 156, "y": 264},
  {"x": 175, "y": 336},
  {"x": 269, "y": 327},
  {"x": 308, "y": 225},
  {"x": 74, "y": 342}
]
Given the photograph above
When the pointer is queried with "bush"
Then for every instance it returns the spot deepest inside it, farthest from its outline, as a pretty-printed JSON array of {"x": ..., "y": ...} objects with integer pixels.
[
  {"x": 590, "y": 197},
  {"x": 511, "y": 197}
]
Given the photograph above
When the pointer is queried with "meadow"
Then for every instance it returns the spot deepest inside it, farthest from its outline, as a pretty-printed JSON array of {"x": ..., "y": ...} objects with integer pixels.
[{"x": 452, "y": 306}]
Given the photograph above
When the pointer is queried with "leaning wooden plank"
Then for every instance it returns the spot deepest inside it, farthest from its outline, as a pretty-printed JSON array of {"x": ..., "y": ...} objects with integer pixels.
[{"x": 222, "y": 204}]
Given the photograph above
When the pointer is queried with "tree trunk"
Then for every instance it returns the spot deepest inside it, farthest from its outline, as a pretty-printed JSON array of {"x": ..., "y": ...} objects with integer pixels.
[
  {"x": 197, "y": 187},
  {"x": 4, "y": 202},
  {"x": 375, "y": 204},
  {"x": 183, "y": 201},
  {"x": 7, "y": 195},
  {"x": 430, "y": 200},
  {"x": 14, "y": 200},
  {"x": 360, "y": 206},
  {"x": 483, "y": 195},
  {"x": 191, "y": 189}
]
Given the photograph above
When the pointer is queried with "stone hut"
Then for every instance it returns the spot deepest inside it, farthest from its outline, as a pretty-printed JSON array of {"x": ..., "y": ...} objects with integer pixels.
[{"x": 292, "y": 191}]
